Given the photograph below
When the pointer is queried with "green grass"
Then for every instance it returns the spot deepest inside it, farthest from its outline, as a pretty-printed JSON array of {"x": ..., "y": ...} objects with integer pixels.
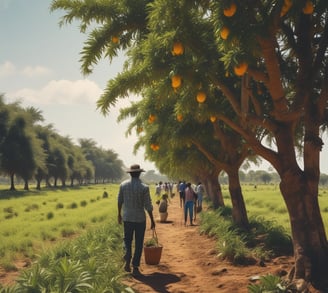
[
  {"x": 266, "y": 201},
  {"x": 31, "y": 221},
  {"x": 89, "y": 263}
]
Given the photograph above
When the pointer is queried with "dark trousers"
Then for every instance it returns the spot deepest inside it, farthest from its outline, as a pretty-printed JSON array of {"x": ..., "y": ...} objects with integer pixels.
[{"x": 138, "y": 231}]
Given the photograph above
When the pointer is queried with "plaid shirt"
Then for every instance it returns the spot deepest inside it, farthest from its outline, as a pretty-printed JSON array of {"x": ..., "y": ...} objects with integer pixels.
[{"x": 135, "y": 197}]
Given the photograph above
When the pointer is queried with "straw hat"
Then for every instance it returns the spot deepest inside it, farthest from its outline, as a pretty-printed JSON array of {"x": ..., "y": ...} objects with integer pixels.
[{"x": 135, "y": 169}]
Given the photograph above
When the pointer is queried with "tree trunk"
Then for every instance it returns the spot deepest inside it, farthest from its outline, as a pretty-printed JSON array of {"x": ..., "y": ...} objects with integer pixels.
[
  {"x": 12, "y": 184},
  {"x": 239, "y": 213},
  {"x": 38, "y": 184},
  {"x": 309, "y": 237},
  {"x": 213, "y": 190},
  {"x": 26, "y": 185},
  {"x": 48, "y": 184}
]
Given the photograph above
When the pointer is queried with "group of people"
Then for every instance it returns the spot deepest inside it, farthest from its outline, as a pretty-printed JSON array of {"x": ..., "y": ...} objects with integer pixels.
[
  {"x": 134, "y": 199},
  {"x": 166, "y": 187},
  {"x": 191, "y": 199}
]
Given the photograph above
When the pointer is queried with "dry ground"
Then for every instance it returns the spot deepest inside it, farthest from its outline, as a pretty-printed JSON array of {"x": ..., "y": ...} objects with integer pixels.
[{"x": 189, "y": 263}]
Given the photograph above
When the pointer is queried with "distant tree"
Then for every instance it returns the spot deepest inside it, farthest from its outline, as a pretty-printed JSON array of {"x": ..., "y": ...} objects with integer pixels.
[
  {"x": 323, "y": 179},
  {"x": 266, "y": 177},
  {"x": 18, "y": 155}
]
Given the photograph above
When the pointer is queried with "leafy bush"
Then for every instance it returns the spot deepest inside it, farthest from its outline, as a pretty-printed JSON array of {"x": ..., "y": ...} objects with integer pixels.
[
  {"x": 263, "y": 240},
  {"x": 73, "y": 205},
  {"x": 50, "y": 215},
  {"x": 89, "y": 263},
  {"x": 274, "y": 237},
  {"x": 10, "y": 213},
  {"x": 59, "y": 206},
  {"x": 269, "y": 283},
  {"x": 66, "y": 232},
  {"x": 32, "y": 207}
]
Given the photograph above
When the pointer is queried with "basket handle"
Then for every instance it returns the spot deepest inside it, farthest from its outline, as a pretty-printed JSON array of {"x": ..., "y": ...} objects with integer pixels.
[{"x": 155, "y": 235}]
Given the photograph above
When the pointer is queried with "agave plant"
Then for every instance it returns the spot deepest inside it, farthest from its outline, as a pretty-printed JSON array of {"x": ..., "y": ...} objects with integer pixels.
[{"x": 268, "y": 283}]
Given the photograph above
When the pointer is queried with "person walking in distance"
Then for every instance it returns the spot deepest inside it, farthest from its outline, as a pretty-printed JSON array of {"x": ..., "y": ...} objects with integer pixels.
[
  {"x": 182, "y": 187},
  {"x": 189, "y": 204},
  {"x": 200, "y": 192},
  {"x": 134, "y": 199}
]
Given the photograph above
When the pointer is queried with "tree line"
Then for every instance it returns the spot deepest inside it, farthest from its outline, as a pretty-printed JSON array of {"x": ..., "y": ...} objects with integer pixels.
[{"x": 35, "y": 152}]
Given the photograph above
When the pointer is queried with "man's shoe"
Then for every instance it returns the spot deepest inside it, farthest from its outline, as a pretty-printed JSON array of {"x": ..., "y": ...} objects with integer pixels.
[
  {"x": 136, "y": 272},
  {"x": 127, "y": 267}
]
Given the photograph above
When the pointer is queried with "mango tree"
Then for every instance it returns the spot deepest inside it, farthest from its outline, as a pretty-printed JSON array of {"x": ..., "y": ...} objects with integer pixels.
[{"x": 278, "y": 52}]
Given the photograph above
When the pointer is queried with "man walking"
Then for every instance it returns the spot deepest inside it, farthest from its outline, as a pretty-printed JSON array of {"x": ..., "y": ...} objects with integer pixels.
[{"x": 134, "y": 197}]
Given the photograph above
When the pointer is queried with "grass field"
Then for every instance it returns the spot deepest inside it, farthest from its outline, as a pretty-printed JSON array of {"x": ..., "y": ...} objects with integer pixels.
[
  {"x": 266, "y": 201},
  {"x": 32, "y": 221}
]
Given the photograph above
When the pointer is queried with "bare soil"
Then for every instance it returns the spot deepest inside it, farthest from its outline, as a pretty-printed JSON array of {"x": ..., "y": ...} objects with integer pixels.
[{"x": 189, "y": 262}]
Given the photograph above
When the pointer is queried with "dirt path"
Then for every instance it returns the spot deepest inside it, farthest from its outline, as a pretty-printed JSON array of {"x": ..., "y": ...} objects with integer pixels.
[{"x": 189, "y": 263}]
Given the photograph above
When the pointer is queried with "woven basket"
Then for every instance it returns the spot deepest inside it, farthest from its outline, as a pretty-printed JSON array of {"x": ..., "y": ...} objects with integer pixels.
[{"x": 153, "y": 253}]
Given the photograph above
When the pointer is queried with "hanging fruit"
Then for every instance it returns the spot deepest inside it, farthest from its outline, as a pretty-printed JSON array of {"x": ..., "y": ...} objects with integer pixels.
[
  {"x": 213, "y": 119},
  {"x": 231, "y": 10},
  {"x": 224, "y": 33},
  {"x": 286, "y": 6},
  {"x": 178, "y": 49},
  {"x": 154, "y": 147},
  {"x": 139, "y": 129},
  {"x": 176, "y": 81},
  {"x": 115, "y": 39},
  {"x": 201, "y": 97},
  {"x": 308, "y": 8},
  {"x": 151, "y": 118},
  {"x": 179, "y": 117},
  {"x": 240, "y": 69}
]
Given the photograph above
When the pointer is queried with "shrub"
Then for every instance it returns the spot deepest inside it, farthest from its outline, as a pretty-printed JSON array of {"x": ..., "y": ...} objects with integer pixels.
[
  {"x": 73, "y": 205},
  {"x": 67, "y": 232},
  {"x": 59, "y": 206},
  {"x": 10, "y": 213},
  {"x": 83, "y": 203},
  {"x": 82, "y": 225},
  {"x": 89, "y": 263},
  {"x": 269, "y": 283},
  {"x": 9, "y": 210},
  {"x": 31, "y": 207},
  {"x": 105, "y": 194},
  {"x": 50, "y": 215}
]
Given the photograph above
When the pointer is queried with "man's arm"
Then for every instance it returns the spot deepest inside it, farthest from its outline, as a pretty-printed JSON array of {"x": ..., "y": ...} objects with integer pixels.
[
  {"x": 152, "y": 225},
  {"x": 119, "y": 217}
]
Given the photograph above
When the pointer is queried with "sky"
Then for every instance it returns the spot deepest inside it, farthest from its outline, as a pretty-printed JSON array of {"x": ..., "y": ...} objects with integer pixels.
[{"x": 39, "y": 66}]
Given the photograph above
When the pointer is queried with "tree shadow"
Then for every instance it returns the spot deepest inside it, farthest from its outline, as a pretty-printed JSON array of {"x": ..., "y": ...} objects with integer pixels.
[{"x": 158, "y": 281}]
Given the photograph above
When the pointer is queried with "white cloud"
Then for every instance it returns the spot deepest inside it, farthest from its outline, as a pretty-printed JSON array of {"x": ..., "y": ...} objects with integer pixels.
[
  {"x": 35, "y": 71},
  {"x": 61, "y": 92},
  {"x": 7, "y": 69}
]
